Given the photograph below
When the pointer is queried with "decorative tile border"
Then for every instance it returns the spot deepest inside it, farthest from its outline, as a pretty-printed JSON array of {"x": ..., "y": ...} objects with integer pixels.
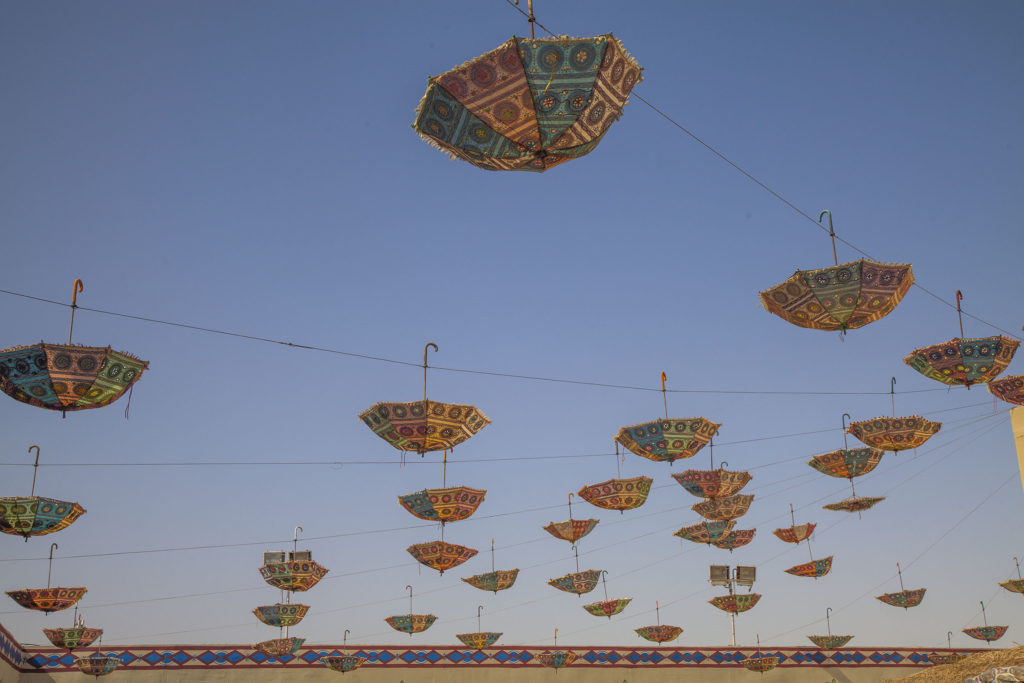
[{"x": 10, "y": 649}]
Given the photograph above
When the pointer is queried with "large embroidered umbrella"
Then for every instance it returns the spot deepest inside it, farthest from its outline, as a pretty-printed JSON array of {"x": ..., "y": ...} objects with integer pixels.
[
  {"x": 986, "y": 632},
  {"x": 411, "y": 623},
  {"x": 294, "y": 574},
  {"x": 494, "y": 580},
  {"x": 812, "y": 569},
  {"x": 735, "y": 602},
  {"x": 530, "y": 104},
  {"x": 714, "y": 483},
  {"x": 758, "y": 662},
  {"x": 735, "y": 539},
  {"x": 668, "y": 439},
  {"x": 829, "y": 642},
  {"x": 841, "y": 297},
  {"x": 73, "y": 637},
  {"x": 729, "y": 507},
  {"x": 904, "y": 598},
  {"x": 607, "y": 607},
  {"x": 558, "y": 658},
  {"x": 571, "y": 530},
  {"x": 1009, "y": 388},
  {"x": 279, "y": 647},
  {"x": 706, "y": 531},
  {"x": 65, "y": 377},
  {"x": 33, "y": 515},
  {"x": 422, "y": 426},
  {"x": 443, "y": 505},
  {"x": 617, "y": 494},
  {"x": 964, "y": 361},
  {"x": 48, "y": 599},
  {"x": 659, "y": 633},
  {"x": 97, "y": 664},
  {"x": 281, "y": 614},
  {"x": 577, "y": 582},
  {"x": 846, "y": 462},
  {"x": 343, "y": 663},
  {"x": 894, "y": 433},
  {"x": 1014, "y": 585},
  {"x": 440, "y": 555},
  {"x": 481, "y": 638}
]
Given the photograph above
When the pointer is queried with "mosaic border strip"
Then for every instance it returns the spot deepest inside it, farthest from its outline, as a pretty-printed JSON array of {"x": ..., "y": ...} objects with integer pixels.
[{"x": 10, "y": 649}]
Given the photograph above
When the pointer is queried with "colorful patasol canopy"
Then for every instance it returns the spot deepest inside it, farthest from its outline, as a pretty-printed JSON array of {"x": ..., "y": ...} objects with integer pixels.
[
  {"x": 964, "y": 361},
  {"x": 854, "y": 504},
  {"x": 1014, "y": 585},
  {"x": 894, "y": 433},
  {"x": 659, "y": 633},
  {"x": 343, "y": 663},
  {"x": 617, "y": 494},
  {"x": 847, "y": 463},
  {"x": 735, "y": 602},
  {"x": 36, "y": 516},
  {"x": 281, "y": 615},
  {"x": 729, "y": 507},
  {"x": 440, "y": 555},
  {"x": 668, "y": 439},
  {"x": 830, "y": 642},
  {"x": 760, "y": 663},
  {"x": 986, "y": 633},
  {"x": 279, "y": 647},
  {"x": 577, "y": 582},
  {"x": 493, "y": 581},
  {"x": 48, "y": 599},
  {"x": 443, "y": 505},
  {"x": 571, "y": 530},
  {"x": 293, "y": 575},
  {"x": 796, "y": 533},
  {"x": 813, "y": 569},
  {"x": 478, "y": 641},
  {"x": 67, "y": 377},
  {"x": 940, "y": 658},
  {"x": 712, "y": 483},
  {"x": 530, "y": 104},
  {"x": 903, "y": 599},
  {"x": 839, "y": 298},
  {"x": 422, "y": 426},
  {"x": 556, "y": 659},
  {"x": 72, "y": 638},
  {"x": 735, "y": 539},
  {"x": 707, "y": 531},
  {"x": 1010, "y": 389},
  {"x": 97, "y": 664},
  {"x": 607, "y": 608},
  {"x": 411, "y": 623}
]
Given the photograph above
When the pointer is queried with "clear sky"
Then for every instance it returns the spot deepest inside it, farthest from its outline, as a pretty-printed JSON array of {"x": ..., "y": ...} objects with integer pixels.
[{"x": 250, "y": 167}]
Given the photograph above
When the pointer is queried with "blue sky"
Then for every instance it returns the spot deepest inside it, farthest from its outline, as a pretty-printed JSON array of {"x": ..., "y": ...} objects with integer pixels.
[{"x": 250, "y": 167}]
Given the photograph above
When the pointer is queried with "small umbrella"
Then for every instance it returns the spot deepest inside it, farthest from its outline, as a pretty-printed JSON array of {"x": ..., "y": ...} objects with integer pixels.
[
  {"x": 659, "y": 633},
  {"x": 735, "y": 539},
  {"x": 813, "y": 569},
  {"x": 440, "y": 555},
  {"x": 343, "y": 663},
  {"x": 669, "y": 439},
  {"x": 571, "y": 530},
  {"x": 894, "y": 433},
  {"x": 706, "y": 531},
  {"x": 796, "y": 534},
  {"x": 1009, "y": 388},
  {"x": 986, "y": 632},
  {"x": 65, "y": 377},
  {"x": 530, "y": 104},
  {"x": 712, "y": 483},
  {"x": 758, "y": 662},
  {"x": 422, "y": 426},
  {"x": 443, "y": 505},
  {"x": 842, "y": 297},
  {"x": 1014, "y": 585},
  {"x": 282, "y": 614},
  {"x": 294, "y": 574},
  {"x": 618, "y": 494},
  {"x": 97, "y": 664},
  {"x": 729, "y": 507},
  {"x": 481, "y": 638},
  {"x": 74, "y": 637},
  {"x": 735, "y": 602},
  {"x": 846, "y": 462},
  {"x": 494, "y": 580},
  {"x": 279, "y": 647},
  {"x": 829, "y": 642},
  {"x": 946, "y": 657},
  {"x": 48, "y": 599},
  {"x": 411, "y": 623},
  {"x": 904, "y": 598},
  {"x": 577, "y": 582},
  {"x": 854, "y": 504},
  {"x": 607, "y": 608},
  {"x": 558, "y": 658},
  {"x": 964, "y": 361},
  {"x": 35, "y": 516}
]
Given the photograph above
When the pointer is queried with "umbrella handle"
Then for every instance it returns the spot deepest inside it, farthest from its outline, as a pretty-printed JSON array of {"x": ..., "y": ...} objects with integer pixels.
[
  {"x": 831, "y": 233},
  {"x": 892, "y": 394},
  {"x": 295, "y": 539},
  {"x": 35, "y": 469},
  {"x": 846, "y": 415},
  {"x": 425, "y": 347},
  {"x": 479, "y": 609},
  {"x": 722, "y": 464},
  {"x": 828, "y": 624},
  {"x": 409, "y": 588},
  {"x": 959, "y": 315},
  {"x": 664, "y": 396},
  {"x": 49, "y": 571},
  {"x": 570, "y": 507},
  {"x": 344, "y": 638},
  {"x": 556, "y": 630},
  {"x": 75, "y": 289}
]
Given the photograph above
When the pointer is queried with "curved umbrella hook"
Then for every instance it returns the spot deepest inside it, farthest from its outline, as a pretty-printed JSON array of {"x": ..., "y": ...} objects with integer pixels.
[
  {"x": 900, "y": 572},
  {"x": 604, "y": 582},
  {"x": 75, "y": 289},
  {"x": 344, "y": 638},
  {"x": 892, "y": 394},
  {"x": 556, "y": 637},
  {"x": 295, "y": 539},
  {"x": 983, "y": 617},
  {"x": 959, "y": 314},
  {"x": 35, "y": 469},
  {"x": 479, "y": 609},
  {"x": 831, "y": 233},
  {"x": 664, "y": 396},
  {"x": 722, "y": 464},
  {"x": 570, "y": 507},
  {"x": 425, "y": 347},
  {"x": 1015, "y": 560},
  {"x": 657, "y": 612},
  {"x": 846, "y": 446},
  {"x": 828, "y": 624},
  {"x": 53, "y": 546},
  {"x": 949, "y": 639},
  {"x": 409, "y": 588}
]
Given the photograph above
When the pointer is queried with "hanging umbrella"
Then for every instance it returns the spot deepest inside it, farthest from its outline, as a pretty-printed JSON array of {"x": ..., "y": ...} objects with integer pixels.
[
  {"x": 659, "y": 633},
  {"x": 578, "y": 582},
  {"x": 758, "y": 662},
  {"x": 48, "y": 599},
  {"x": 729, "y": 507},
  {"x": 298, "y": 573},
  {"x": 443, "y": 505},
  {"x": 964, "y": 361},
  {"x": 669, "y": 439},
  {"x": 279, "y": 647},
  {"x": 618, "y": 494},
  {"x": 571, "y": 530},
  {"x": 440, "y": 555},
  {"x": 854, "y": 504},
  {"x": 946, "y": 657},
  {"x": 607, "y": 608},
  {"x": 294, "y": 574},
  {"x": 796, "y": 534},
  {"x": 1009, "y": 388},
  {"x": 706, "y": 531},
  {"x": 1014, "y": 585},
  {"x": 481, "y": 638},
  {"x": 735, "y": 602},
  {"x": 343, "y": 663},
  {"x": 829, "y": 642},
  {"x": 36, "y": 516},
  {"x": 718, "y": 483},
  {"x": 74, "y": 637},
  {"x": 281, "y": 614},
  {"x": 846, "y": 462},
  {"x": 842, "y": 297},
  {"x": 97, "y": 664},
  {"x": 813, "y": 569},
  {"x": 494, "y": 580},
  {"x": 904, "y": 598},
  {"x": 65, "y": 377},
  {"x": 421, "y": 426},
  {"x": 894, "y": 433},
  {"x": 558, "y": 658},
  {"x": 735, "y": 539},
  {"x": 411, "y": 623},
  {"x": 530, "y": 104},
  {"x": 986, "y": 632}
]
